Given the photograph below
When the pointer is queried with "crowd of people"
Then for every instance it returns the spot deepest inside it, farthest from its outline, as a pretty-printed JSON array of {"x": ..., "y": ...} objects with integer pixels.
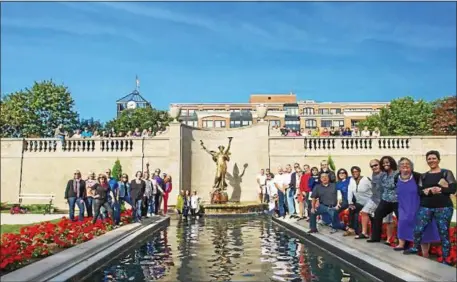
[
  {"x": 335, "y": 132},
  {"x": 187, "y": 203},
  {"x": 103, "y": 195},
  {"x": 421, "y": 202},
  {"x": 86, "y": 133}
]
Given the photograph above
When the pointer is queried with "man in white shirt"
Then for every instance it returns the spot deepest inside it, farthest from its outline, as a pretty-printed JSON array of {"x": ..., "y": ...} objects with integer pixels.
[
  {"x": 271, "y": 192},
  {"x": 279, "y": 184},
  {"x": 261, "y": 179}
]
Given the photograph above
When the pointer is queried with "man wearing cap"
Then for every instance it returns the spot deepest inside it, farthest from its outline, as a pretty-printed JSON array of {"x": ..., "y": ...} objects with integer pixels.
[{"x": 75, "y": 193}]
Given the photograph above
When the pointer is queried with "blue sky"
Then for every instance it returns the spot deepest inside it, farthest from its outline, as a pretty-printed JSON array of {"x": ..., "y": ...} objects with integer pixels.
[{"x": 222, "y": 52}]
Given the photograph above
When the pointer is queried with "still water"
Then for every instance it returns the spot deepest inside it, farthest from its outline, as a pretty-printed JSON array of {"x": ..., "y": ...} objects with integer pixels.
[{"x": 225, "y": 249}]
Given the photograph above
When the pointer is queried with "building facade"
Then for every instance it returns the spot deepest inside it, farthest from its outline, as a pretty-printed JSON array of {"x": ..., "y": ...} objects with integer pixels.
[{"x": 283, "y": 110}]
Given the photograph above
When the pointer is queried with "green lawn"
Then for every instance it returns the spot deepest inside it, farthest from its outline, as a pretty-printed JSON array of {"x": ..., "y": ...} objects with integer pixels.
[{"x": 14, "y": 228}]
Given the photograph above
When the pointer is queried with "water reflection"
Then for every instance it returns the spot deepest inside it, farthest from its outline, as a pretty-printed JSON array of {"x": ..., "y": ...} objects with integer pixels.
[{"x": 225, "y": 249}]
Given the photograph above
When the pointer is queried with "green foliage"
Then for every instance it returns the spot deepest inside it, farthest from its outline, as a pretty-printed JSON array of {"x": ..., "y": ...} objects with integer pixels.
[
  {"x": 117, "y": 170},
  {"x": 331, "y": 163},
  {"x": 404, "y": 116},
  {"x": 36, "y": 112},
  {"x": 91, "y": 124},
  {"x": 142, "y": 118},
  {"x": 445, "y": 116}
]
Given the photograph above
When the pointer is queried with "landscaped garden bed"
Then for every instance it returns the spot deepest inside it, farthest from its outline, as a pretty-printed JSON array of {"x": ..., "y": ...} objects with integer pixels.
[{"x": 37, "y": 241}]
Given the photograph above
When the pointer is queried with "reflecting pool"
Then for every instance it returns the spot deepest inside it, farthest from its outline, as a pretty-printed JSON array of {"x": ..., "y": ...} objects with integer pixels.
[{"x": 224, "y": 249}]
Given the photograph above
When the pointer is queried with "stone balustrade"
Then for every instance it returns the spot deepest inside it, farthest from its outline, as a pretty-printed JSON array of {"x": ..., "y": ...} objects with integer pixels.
[
  {"x": 356, "y": 143},
  {"x": 46, "y": 145}
]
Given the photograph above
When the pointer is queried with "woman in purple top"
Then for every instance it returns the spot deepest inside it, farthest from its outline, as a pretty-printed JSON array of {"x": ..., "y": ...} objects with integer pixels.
[{"x": 408, "y": 204}]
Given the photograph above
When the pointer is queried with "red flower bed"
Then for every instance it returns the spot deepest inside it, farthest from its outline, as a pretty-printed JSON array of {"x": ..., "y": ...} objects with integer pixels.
[
  {"x": 435, "y": 249},
  {"x": 43, "y": 239}
]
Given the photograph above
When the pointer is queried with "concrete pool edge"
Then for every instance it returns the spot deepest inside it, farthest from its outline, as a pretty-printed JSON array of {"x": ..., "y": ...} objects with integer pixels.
[
  {"x": 73, "y": 261},
  {"x": 369, "y": 265}
]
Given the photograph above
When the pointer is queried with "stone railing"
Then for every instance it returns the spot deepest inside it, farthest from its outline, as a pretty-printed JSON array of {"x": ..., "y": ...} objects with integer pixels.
[
  {"x": 79, "y": 145},
  {"x": 356, "y": 143}
]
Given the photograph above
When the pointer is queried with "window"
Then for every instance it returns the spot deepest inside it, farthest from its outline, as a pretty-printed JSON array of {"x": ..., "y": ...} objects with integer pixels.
[
  {"x": 292, "y": 111},
  {"x": 354, "y": 123},
  {"x": 235, "y": 123},
  {"x": 293, "y": 124},
  {"x": 275, "y": 123},
  {"x": 191, "y": 112},
  {"x": 308, "y": 111},
  {"x": 326, "y": 123},
  {"x": 246, "y": 122},
  {"x": 324, "y": 111},
  {"x": 335, "y": 111},
  {"x": 219, "y": 123},
  {"x": 338, "y": 123},
  {"x": 193, "y": 123},
  {"x": 310, "y": 123},
  {"x": 208, "y": 123}
]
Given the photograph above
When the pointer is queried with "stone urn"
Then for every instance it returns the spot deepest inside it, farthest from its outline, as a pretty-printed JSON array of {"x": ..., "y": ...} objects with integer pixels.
[
  {"x": 261, "y": 112},
  {"x": 174, "y": 112}
]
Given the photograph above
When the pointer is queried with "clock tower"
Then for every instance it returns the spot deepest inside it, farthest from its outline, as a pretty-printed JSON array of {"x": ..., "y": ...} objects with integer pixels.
[{"x": 132, "y": 101}]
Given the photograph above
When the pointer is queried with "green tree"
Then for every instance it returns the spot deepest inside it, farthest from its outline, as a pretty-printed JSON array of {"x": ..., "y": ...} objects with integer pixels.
[
  {"x": 404, "y": 116},
  {"x": 36, "y": 112},
  {"x": 331, "y": 163},
  {"x": 142, "y": 118},
  {"x": 117, "y": 170},
  {"x": 91, "y": 124}
]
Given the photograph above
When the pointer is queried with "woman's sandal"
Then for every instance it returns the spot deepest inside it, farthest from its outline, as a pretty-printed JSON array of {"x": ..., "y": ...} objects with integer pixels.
[
  {"x": 349, "y": 232},
  {"x": 361, "y": 236}
]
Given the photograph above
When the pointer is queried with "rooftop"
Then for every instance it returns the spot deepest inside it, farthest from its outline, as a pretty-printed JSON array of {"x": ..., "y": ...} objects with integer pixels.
[{"x": 134, "y": 96}]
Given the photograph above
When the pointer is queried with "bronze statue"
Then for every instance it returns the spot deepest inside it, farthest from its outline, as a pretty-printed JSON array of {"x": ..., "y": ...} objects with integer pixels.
[{"x": 220, "y": 158}]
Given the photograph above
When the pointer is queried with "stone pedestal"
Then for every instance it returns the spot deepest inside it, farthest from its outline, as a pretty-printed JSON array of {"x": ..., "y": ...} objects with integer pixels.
[{"x": 219, "y": 197}]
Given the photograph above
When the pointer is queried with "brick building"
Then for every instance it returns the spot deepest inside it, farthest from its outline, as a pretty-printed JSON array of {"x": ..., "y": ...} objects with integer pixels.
[{"x": 283, "y": 109}]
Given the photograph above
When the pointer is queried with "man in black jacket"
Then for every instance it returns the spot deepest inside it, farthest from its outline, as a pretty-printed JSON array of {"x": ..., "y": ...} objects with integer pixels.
[{"x": 75, "y": 193}]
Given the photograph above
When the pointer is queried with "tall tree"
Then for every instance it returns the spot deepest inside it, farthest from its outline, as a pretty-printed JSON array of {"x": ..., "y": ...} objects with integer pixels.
[
  {"x": 404, "y": 116},
  {"x": 36, "y": 112},
  {"x": 142, "y": 118},
  {"x": 444, "y": 116},
  {"x": 91, "y": 124}
]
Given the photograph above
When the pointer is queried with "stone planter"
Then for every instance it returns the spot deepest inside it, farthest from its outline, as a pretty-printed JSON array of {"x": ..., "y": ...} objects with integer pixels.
[
  {"x": 175, "y": 112},
  {"x": 261, "y": 112}
]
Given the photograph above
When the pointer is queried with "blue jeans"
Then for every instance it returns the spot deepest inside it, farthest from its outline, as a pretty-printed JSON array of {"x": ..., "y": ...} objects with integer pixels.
[
  {"x": 116, "y": 212},
  {"x": 72, "y": 201},
  {"x": 324, "y": 210},
  {"x": 281, "y": 203},
  {"x": 152, "y": 204},
  {"x": 89, "y": 206},
  {"x": 290, "y": 200}
]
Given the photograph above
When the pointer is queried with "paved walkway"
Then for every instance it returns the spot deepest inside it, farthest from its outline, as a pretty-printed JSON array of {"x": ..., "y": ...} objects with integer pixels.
[
  {"x": 407, "y": 268},
  {"x": 28, "y": 218}
]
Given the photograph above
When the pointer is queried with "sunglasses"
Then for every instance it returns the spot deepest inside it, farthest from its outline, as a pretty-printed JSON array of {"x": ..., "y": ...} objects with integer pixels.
[{"x": 373, "y": 166}]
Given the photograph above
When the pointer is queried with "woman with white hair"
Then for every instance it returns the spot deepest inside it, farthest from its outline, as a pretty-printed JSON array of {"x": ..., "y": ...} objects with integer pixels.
[{"x": 408, "y": 205}]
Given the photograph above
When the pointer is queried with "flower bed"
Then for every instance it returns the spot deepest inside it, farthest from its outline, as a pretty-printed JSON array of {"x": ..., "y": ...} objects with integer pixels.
[
  {"x": 435, "y": 249},
  {"x": 43, "y": 239}
]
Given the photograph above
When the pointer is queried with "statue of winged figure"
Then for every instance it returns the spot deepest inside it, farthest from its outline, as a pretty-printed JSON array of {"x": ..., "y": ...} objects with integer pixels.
[{"x": 220, "y": 157}]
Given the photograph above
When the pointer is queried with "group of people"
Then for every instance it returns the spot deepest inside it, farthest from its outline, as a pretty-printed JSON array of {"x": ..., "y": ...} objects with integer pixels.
[
  {"x": 187, "y": 203},
  {"x": 104, "y": 195},
  {"x": 335, "y": 132},
  {"x": 421, "y": 202},
  {"x": 87, "y": 133}
]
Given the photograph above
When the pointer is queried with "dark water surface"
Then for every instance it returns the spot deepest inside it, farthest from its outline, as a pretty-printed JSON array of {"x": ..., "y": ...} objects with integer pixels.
[{"x": 225, "y": 249}]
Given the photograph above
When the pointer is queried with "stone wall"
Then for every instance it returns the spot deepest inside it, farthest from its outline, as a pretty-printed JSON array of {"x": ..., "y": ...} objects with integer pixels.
[{"x": 45, "y": 166}]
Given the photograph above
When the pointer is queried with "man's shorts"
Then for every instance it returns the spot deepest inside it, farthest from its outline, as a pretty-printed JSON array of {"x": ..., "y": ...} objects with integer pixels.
[{"x": 370, "y": 208}]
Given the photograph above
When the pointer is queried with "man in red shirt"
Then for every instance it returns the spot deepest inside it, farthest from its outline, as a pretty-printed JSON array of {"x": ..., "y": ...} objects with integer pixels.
[{"x": 304, "y": 192}]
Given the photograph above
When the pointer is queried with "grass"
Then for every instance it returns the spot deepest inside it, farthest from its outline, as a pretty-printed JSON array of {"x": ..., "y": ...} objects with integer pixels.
[{"x": 15, "y": 228}]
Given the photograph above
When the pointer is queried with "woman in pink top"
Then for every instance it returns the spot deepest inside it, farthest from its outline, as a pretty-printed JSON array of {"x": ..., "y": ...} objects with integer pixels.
[{"x": 167, "y": 190}]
